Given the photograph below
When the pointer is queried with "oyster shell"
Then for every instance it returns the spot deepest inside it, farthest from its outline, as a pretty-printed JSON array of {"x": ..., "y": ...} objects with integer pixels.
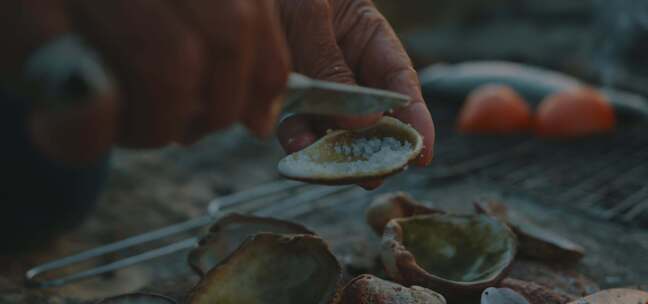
[
  {"x": 273, "y": 268},
  {"x": 393, "y": 205},
  {"x": 615, "y": 296},
  {"x": 456, "y": 255},
  {"x": 348, "y": 157},
  {"x": 494, "y": 295},
  {"x": 534, "y": 241},
  {"x": 368, "y": 289},
  {"x": 138, "y": 298},
  {"x": 535, "y": 293},
  {"x": 229, "y": 232}
]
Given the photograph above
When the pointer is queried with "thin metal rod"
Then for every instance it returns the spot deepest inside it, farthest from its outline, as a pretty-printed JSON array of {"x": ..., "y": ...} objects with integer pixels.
[
  {"x": 117, "y": 246},
  {"x": 260, "y": 191},
  {"x": 228, "y": 202},
  {"x": 119, "y": 264},
  {"x": 636, "y": 210},
  {"x": 302, "y": 198}
]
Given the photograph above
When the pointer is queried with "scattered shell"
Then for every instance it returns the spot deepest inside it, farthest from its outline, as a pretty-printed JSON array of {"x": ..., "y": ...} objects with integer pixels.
[
  {"x": 138, "y": 298},
  {"x": 229, "y": 232},
  {"x": 615, "y": 296},
  {"x": 393, "y": 205},
  {"x": 273, "y": 268},
  {"x": 495, "y": 109},
  {"x": 348, "y": 157},
  {"x": 368, "y": 289},
  {"x": 457, "y": 255},
  {"x": 535, "y": 293},
  {"x": 494, "y": 295},
  {"x": 534, "y": 241}
]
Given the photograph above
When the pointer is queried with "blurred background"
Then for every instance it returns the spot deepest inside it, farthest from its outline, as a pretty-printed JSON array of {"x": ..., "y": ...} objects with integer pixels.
[
  {"x": 591, "y": 189},
  {"x": 602, "y": 41}
]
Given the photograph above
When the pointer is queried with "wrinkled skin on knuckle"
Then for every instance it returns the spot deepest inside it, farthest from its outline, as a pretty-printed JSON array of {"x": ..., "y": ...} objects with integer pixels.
[
  {"x": 348, "y": 14},
  {"x": 311, "y": 37}
]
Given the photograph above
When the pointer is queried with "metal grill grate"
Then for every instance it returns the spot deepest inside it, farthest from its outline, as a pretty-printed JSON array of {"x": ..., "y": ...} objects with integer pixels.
[{"x": 605, "y": 177}]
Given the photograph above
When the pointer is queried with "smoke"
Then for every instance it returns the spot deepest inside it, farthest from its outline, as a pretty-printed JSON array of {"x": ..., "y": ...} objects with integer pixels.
[{"x": 621, "y": 47}]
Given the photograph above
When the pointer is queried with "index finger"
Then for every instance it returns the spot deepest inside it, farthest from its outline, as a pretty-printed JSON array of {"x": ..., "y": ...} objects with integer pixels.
[{"x": 379, "y": 60}]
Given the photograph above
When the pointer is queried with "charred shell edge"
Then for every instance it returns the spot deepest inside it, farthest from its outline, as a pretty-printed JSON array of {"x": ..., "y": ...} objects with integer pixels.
[{"x": 236, "y": 218}]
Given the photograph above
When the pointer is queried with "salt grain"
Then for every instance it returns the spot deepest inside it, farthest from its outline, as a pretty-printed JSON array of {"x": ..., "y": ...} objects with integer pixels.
[{"x": 362, "y": 156}]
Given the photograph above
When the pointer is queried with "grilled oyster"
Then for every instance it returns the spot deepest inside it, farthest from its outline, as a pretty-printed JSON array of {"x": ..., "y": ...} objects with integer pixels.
[{"x": 348, "y": 157}]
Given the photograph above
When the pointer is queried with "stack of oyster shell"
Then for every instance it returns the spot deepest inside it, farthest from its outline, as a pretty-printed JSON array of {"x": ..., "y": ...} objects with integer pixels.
[{"x": 430, "y": 256}]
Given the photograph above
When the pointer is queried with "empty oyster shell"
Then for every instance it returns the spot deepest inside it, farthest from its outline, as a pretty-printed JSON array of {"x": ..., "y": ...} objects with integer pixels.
[
  {"x": 456, "y": 255},
  {"x": 494, "y": 295},
  {"x": 368, "y": 289},
  {"x": 347, "y": 157},
  {"x": 534, "y": 241},
  {"x": 229, "y": 232},
  {"x": 615, "y": 296},
  {"x": 273, "y": 268},
  {"x": 394, "y": 205},
  {"x": 138, "y": 298}
]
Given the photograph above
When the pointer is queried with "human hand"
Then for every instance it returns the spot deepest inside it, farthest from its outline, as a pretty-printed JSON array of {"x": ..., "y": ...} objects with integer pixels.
[
  {"x": 349, "y": 41},
  {"x": 182, "y": 69}
]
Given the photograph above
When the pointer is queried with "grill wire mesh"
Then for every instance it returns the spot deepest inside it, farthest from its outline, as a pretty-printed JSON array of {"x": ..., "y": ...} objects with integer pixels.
[{"x": 603, "y": 176}]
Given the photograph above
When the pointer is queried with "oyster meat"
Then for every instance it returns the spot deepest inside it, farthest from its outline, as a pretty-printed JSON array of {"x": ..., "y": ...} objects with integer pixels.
[{"x": 348, "y": 157}]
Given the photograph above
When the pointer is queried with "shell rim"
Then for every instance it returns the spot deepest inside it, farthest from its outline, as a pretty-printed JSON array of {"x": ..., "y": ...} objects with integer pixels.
[{"x": 404, "y": 260}]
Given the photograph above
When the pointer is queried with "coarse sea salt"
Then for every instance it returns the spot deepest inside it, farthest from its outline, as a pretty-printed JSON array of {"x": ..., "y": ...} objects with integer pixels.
[{"x": 361, "y": 156}]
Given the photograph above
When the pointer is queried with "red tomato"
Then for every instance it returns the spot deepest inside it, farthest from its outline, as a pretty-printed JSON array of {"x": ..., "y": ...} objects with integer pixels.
[
  {"x": 575, "y": 112},
  {"x": 495, "y": 109}
]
